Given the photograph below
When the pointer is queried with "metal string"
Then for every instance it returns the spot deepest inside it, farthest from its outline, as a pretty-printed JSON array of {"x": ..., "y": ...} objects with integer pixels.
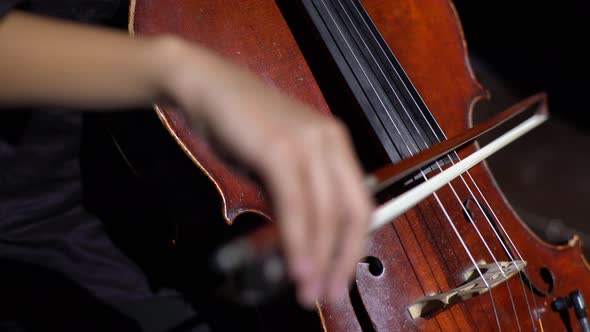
[
  {"x": 423, "y": 175},
  {"x": 531, "y": 312},
  {"x": 462, "y": 178}
]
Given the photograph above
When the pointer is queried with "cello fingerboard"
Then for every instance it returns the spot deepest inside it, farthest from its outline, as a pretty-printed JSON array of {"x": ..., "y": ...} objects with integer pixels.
[{"x": 377, "y": 81}]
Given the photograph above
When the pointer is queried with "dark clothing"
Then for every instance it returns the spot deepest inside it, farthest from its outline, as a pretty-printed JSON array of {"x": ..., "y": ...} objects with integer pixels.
[
  {"x": 42, "y": 220},
  {"x": 43, "y": 224}
]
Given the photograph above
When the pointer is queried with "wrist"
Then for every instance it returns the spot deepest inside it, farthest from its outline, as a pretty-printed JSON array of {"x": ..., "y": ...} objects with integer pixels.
[
  {"x": 164, "y": 56},
  {"x": 182, "y": 74}
]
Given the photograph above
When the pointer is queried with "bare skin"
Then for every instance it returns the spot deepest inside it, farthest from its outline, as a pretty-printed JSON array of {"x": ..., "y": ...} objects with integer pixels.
[{"x": 304, "y": 159}]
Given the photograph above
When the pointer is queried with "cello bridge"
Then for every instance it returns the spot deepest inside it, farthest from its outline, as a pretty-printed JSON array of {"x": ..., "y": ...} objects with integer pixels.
[{"x": 491, "y": 276}]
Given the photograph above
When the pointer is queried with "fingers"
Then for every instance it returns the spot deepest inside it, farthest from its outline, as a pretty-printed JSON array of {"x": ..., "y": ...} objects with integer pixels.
[
  {"x": 323, "y": 200},
  {"x": 355, "y": 208},
  {"x": 283, "y": 172},
  {"x": 355, "y": 218},
  {"x": 321, "y": 205}
]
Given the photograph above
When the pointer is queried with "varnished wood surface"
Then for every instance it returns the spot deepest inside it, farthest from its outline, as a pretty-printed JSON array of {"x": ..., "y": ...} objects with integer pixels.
[
  {"x": 419, "y": 251},
  {"x": 251, "y": 33}
]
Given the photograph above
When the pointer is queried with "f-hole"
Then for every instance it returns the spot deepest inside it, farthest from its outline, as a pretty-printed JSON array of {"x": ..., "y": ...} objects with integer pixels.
[
  {"x": 359, "y": 310},
  {"x": 375, "y": 265},
  {"x": 375, "y": 269},
  {"x": 547, "y": 277}
]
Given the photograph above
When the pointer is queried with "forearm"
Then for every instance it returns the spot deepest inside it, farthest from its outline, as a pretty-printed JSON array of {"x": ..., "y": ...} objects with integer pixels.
[{"x": 46, "y": 61}]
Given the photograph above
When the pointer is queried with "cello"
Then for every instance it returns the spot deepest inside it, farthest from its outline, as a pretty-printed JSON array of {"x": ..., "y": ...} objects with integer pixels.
[{"x": 398, "y": 74}]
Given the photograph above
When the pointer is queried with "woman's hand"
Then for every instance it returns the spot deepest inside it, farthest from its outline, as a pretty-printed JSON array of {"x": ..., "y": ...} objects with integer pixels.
[{"x": 305, "y": 160}]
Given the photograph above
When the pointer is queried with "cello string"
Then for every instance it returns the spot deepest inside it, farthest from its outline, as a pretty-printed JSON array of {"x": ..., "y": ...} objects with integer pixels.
[
  {"x": 416, "y": 275},
  {"x": 462, "y": 178},
  {"x": 437, "y": 163},
  {"x": 423, "y": 175},
  {"x": 535, "y": 313}
]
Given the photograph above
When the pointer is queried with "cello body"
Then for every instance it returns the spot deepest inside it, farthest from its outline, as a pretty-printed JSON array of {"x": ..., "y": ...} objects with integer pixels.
[{"x": 419, "y": 254}]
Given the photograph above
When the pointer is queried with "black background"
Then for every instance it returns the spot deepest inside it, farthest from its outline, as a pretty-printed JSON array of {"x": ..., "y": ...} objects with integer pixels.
[
  {"x": 519, "y": 48},
  {"x": 535, "y": 46}
]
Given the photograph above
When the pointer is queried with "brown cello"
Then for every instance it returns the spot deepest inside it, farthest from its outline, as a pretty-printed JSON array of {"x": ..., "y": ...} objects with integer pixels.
[{"x": 397, "y": 72}]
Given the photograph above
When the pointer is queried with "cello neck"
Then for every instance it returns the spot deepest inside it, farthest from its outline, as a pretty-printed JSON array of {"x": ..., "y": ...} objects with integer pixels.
[{"x": 391, "y": 104}]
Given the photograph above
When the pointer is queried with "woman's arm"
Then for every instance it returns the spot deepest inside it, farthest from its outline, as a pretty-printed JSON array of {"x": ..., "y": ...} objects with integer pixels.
[
  {"x": 48, "y": 61},
  {"x": 305, "y": 160}
]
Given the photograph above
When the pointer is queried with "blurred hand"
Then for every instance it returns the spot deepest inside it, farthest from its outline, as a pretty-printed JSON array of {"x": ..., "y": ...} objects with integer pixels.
[{"x": 305, "y": 160}]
